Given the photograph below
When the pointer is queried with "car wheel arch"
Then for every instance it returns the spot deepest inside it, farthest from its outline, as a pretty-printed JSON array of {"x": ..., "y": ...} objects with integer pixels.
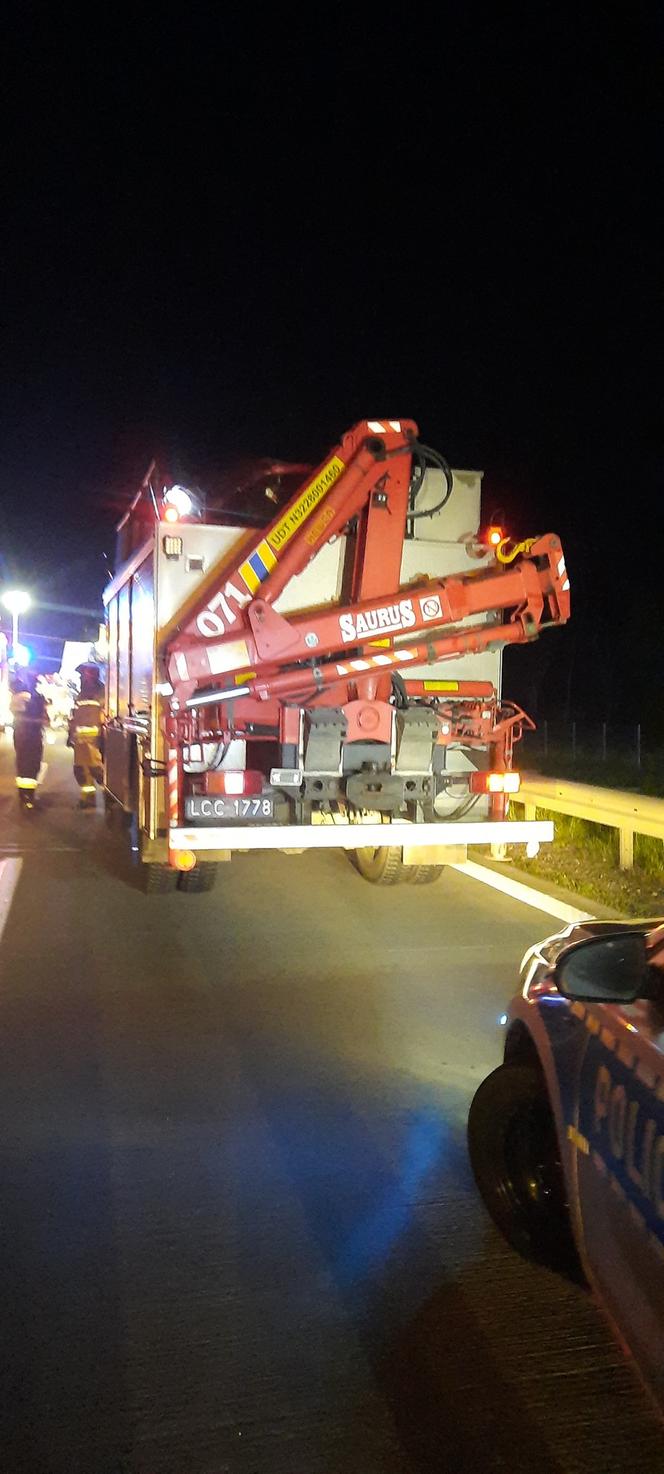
[{"x": 520, "y": 1047}]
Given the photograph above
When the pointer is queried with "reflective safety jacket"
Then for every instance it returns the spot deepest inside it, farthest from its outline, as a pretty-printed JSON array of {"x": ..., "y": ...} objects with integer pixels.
[{"x": 85, "y": 731}]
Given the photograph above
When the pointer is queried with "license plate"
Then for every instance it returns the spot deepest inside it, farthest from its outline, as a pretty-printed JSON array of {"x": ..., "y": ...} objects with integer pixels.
[{"x": 215, "y": 809}]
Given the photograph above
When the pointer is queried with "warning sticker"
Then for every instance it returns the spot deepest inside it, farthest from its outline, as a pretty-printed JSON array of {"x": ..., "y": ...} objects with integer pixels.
[
  {"x": 441, "y": 685},
  {"x": 431, "y": 608},
  {"x": 304, "y": 506}
]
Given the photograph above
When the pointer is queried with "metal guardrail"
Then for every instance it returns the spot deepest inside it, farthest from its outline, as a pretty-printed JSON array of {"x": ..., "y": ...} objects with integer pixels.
[{"x": 629, "y": 813}]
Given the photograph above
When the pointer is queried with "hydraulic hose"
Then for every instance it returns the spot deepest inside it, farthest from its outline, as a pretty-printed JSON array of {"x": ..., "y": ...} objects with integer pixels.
[{"x": 424, "y": 455}]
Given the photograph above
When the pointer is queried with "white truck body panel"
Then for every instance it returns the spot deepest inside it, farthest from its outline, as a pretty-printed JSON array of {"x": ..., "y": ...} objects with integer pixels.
[{"x": 438, "y": 550}]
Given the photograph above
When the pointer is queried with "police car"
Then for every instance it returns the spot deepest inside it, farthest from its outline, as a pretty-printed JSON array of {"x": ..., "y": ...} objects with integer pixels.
[{"x": 566, "y": 1137}]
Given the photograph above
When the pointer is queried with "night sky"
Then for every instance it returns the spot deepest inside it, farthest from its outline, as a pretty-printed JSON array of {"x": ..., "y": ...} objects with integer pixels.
[{"x": 225, "y": 240}]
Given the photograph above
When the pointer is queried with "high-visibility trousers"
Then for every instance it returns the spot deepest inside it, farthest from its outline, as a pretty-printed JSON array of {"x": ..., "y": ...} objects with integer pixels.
[
  {"x": 88, "y": 766},
  {"x": 29, "y": 749}
]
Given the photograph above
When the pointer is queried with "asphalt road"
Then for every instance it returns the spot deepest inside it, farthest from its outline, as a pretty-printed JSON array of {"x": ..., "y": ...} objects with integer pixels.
[{"x": 238, "y": 1229}]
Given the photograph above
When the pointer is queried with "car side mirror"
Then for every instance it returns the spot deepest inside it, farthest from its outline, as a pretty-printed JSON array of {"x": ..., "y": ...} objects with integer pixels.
[{"x": 605, "y": 969}]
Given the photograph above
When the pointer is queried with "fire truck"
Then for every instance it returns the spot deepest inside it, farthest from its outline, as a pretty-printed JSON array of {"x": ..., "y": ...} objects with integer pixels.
[{"x": 321, "y": 667}]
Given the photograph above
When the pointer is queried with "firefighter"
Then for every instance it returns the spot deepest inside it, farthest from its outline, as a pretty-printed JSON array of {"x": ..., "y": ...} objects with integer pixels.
[
  {"x": 30, "y": 718},
  {"x": 86, "y": 735}
]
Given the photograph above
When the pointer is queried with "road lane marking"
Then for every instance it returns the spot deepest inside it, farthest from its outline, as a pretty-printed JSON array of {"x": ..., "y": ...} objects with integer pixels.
[
  {"x": 10, "y": 850},
  {"x": 520, "y": 892},
  {"x": 9, "y": 874}
]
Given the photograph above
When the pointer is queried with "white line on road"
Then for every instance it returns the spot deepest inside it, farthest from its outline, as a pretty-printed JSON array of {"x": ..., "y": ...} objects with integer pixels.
[
  {"x": 39, "y": 849},
  {"x": 9, "y": 874},
  {"x": 520, "y": 892}
]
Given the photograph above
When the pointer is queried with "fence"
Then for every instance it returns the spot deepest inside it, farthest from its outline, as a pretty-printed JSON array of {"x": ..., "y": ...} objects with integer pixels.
[
  {"x": 612, "y": 754},
  {"x": 606, "y": 742}
]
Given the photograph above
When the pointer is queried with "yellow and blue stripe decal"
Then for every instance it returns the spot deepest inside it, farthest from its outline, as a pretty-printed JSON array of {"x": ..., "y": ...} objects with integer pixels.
[
  {"x": 264, "y": 558},
  {"x": 257, "y": 566}
]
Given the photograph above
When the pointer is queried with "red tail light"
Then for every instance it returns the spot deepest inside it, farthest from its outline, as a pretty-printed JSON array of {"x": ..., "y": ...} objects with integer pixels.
[
  {"x": 236, "y": 782},
  {"x": 495, "y": 782}
]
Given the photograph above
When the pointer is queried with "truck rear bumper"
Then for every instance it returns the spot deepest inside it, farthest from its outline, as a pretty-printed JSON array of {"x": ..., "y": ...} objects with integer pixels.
[{"x": 338, "y": 836}]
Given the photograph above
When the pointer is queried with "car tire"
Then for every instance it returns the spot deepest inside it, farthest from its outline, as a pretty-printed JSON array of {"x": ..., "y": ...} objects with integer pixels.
[{"x": 515, "y": 1158}]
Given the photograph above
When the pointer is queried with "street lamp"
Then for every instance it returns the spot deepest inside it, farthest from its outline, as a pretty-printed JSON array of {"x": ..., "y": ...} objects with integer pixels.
[{"x": 16, "y": 601}]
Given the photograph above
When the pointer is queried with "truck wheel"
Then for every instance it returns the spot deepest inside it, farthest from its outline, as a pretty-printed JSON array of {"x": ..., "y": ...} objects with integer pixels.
[
  {"x": 382, "y": 866},
  {"x": 203, "y": 878},
  {"x": 422, "y": 874},
  {"x": 158, "y": 880},
  {"x": 515, "y": 1158}
]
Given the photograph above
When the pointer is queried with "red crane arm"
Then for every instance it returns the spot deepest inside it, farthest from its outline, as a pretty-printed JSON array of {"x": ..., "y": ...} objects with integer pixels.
[
  {"x": 233, "y": 640},
  {"x": 341, "y": 643},
  {"x": 334, "y": 493}
]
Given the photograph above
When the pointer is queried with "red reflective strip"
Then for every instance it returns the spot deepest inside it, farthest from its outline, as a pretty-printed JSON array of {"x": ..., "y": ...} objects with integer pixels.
[
  {"x": 234, "y": 781},
  {"x": 173, "y": 786}
]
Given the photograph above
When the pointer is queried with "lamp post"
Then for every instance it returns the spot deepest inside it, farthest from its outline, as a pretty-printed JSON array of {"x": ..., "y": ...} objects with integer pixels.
[{"x": 16, "y": 601}]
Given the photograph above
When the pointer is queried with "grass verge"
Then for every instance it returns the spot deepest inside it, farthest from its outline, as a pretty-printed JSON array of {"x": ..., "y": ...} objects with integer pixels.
[{"x": 584, "y": 858}]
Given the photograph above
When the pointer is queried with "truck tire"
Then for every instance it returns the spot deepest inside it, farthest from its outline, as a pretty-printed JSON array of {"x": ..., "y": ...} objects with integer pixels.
[
  {"x": 382, "y": 866},
  {"x": 203, "y": 878},
  {"x": 385, "y": 866},
  {"x": 422, "y": 874},
  {"x": 159, "y": 880},
  {"x": 515, "y": 1159}
]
